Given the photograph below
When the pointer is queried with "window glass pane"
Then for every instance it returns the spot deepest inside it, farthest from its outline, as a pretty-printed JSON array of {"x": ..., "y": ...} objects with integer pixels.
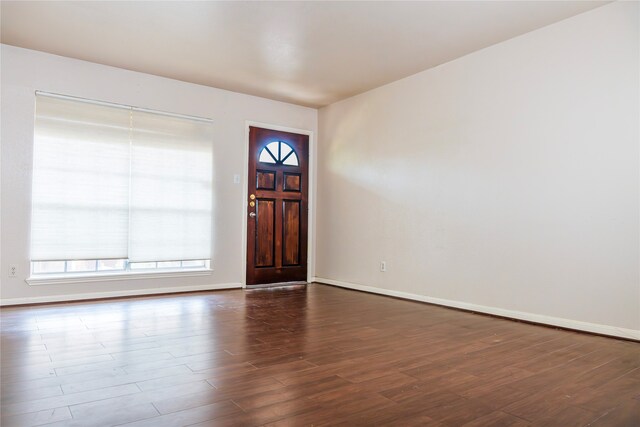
[
  {"x": 192, "y": 264},
  {"x": 48, "y": 267},
  {"x": 276, "y": 153},
  {"x": 74, "y": 267},
  {"x": 111, "y": 264},
  {"x": 169, "y": 264},
  {"x": 265, "y": 157},
  {"x": 273, "y": 147},
  {"x": 81, "y": 266},
  {"x": 292, "y": 160},
  {"x": 284, "y": 150},
  {"x": 142, "y": 265}
]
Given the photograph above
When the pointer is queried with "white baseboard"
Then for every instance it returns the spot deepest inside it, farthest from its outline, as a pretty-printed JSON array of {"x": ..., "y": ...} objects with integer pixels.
[
  {"x": 113, "y": 294},
  {"x": 530, "y": 317}
]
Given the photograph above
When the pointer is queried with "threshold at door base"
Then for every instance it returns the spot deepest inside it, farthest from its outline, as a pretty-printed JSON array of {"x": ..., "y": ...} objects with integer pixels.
[{"x": 277, "y": 285}]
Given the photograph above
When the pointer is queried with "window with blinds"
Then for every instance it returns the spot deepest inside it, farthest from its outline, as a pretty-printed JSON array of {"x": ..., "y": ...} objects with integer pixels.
[{"x": 117, "y": 188}]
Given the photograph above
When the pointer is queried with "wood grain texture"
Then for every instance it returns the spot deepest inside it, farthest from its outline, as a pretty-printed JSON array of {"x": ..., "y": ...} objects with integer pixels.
[
  {"x": 265, "y": 233},
  {"x": 278, "y": 255},
  {"x": 291, "y": 182},
  {"x": 291, "y": 232},
  {"x": 265, "y": 180},
  {"x": 315, "y": 355}
]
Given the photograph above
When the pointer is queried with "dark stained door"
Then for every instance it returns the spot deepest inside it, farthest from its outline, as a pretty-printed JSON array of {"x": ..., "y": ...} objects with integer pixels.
[{"x": 277, "y": 207}]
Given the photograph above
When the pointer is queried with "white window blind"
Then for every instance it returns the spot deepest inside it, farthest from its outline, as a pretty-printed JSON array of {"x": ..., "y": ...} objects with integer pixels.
[
  {"x": 80, "y": 189},
  {"x": 170, "y": 189},
  {"x": 114, "y": 182}
]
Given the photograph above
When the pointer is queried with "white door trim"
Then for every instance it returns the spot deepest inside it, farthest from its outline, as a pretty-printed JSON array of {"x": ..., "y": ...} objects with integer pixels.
[{"x": 311, "y": 229}]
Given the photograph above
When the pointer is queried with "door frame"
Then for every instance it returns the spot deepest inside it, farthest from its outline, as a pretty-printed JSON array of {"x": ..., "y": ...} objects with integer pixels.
[{"x": 311, "y": 231}]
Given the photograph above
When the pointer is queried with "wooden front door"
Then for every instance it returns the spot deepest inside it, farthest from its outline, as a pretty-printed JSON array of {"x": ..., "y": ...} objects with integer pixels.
[{"x": 277, "y": 207}]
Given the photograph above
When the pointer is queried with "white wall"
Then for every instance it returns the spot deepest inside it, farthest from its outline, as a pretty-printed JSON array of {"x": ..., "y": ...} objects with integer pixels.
[
  {"x": 505, "y": 181},
  {"x": 24, "y": 71}
]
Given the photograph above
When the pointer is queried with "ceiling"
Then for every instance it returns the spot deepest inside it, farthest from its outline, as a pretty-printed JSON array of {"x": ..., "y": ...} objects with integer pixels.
[{"x": 307, "y": 53}]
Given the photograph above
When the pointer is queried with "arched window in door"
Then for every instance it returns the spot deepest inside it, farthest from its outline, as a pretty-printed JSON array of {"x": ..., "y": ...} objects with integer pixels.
[{"x": 278, "y": 153}]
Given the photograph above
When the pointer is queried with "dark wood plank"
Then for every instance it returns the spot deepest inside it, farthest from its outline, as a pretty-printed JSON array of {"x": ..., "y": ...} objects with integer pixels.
[
  {"x": 304, "y": 355},
  {"x": 627, "y": 414}
]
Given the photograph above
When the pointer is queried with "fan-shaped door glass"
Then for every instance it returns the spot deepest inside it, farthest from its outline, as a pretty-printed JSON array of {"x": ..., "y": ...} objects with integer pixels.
[{"x": 278, "y": 153}]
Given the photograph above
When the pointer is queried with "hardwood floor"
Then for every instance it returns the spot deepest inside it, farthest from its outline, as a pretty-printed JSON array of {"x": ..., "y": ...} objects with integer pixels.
[{"x": 314, "y": 355}]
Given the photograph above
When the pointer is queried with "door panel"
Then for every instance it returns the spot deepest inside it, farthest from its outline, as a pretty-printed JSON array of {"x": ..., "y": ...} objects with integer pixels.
[
  {"x": 277, "y": 207},
  {"x": 291, "y": 182},
  {"x": 266, "y": 180},
  {"x": 291, "y": 232},
  {"x": 265, "y": 233}
]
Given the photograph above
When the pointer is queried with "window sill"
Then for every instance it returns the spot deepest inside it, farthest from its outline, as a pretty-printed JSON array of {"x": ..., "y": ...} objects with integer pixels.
[{"x": 84, "y": 278}]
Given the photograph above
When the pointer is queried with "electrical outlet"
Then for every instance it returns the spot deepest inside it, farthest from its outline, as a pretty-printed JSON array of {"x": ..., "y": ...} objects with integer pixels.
[
  {"x": 13, "y": 271},
  {"x": 383, "y": 266}
]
